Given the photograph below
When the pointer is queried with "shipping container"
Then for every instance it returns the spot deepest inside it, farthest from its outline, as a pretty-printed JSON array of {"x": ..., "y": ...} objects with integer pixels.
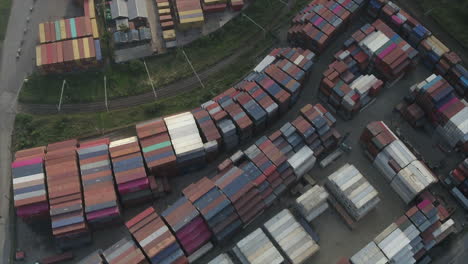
[{"x": 257, "y": 248}]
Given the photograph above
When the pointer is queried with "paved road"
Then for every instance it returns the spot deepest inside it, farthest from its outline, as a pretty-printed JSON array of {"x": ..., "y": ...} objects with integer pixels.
[{"x": 12, "y": 75}]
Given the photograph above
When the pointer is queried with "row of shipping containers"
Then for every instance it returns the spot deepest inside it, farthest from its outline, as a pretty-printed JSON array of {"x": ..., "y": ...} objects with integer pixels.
[
  {"x": 435, "y": 55},
  {"x": 167, "y": 22},
  {"x": 316, "y": 25},
  {"x": 70, "y": 28},
  {"x": 409, "y": 238},
  {"x": 213, "y": 210},
  {"x": 71, "y": 44},
  {"x": 69, "y": 55},
  {"x": 406, "y": 174}
]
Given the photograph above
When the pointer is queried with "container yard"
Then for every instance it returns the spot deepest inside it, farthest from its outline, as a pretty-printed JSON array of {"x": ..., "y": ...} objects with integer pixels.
[
  {"x": 234, "y": 180},
  {"x": 70, "y": 44}
]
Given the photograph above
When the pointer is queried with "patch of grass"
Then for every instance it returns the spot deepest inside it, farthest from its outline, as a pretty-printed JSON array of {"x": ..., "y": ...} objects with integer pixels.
[
  {"x": 5, "y": 7},
  {"x": 451, "y": 15},
  {"x": 165, "y": 69},
  {"x": 32, "y": 130}
]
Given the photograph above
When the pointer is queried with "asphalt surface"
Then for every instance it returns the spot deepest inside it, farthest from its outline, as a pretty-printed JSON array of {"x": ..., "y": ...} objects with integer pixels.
[{"x": 12, "y": 74}]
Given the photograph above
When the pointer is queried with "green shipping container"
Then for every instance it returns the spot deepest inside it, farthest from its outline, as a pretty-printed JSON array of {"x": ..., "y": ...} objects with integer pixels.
[
  {"x": 57, "y": 31},
  {"x": 73, "y": 28}
]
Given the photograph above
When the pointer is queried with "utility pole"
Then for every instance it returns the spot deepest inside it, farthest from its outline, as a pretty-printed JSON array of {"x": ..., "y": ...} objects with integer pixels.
[
  {"x": 151, "y": 81},
  {"x": 61, "y": 95},
  {"x": 251, "y": 20},
  {"x": 193, "y": 69},
  {"x": 105, "y": 92}
]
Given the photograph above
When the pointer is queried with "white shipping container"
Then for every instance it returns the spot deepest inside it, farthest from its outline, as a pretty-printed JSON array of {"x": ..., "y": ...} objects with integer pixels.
[
  {"x": 353, "y": 191},
  {"x": 292, "y": 238},
  {"x": 222, "y": 259},
  {"x": 313, "y": 202},
  {"x": 257, "y": 248},
  {"x": 122, "y": 142}
]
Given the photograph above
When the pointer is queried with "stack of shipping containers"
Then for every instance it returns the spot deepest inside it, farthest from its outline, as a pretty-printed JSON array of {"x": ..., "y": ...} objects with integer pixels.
[
  {"x": 101, "y": 202},
  {"x": 407, "y": 175},
  {"x": 435, "y": 55},
  {"x": 242, "y": 121},
  {"x": 124, "y": 251},
  {"x": 292, "y": 238},
  {"x": 214, "y": 207},
  {"x": 389, "y": 54},
  {"x": 256, "y": 113},
  {"x": 225, "y": 125},
  {"x": 409, "y": 238},
  {"x": 69, "y": 44},
  {"x": 29, "y": 189},
  {"x": 279, "y": 95},
  {"x": 209, "y": 132},
  {"x": 187, "y": 143},
  {"x": 222, "y": 258},
  {"x": 312, "y": 203},
  {"x": 188, "y": 226},
  {"x": 155, "y": 239},
  {"x": 190, "y": 14},
  {"x": 448, "y": 113},
  {"x": 93, "y": 258},
  {"x": 323, "y": 122},
  {"x": 283, "y": 168},
  {"x": 319, "y": 23},
  {"x": 157, "y": 149},
  {"x": 129, "y": 171},
  {"x": 353, "y": 191},
  {"x": 262, "y": 98},
  {"x": 69, "y": 225},
  {"x": 257, "y": 248},
  {"x": 165, "y": 11},
  {"x": 458, "y": 180},
  {"x": 213, "y": 6},
  {"x": 243, "y": 194},
  {"x": 236, "y": 5}
]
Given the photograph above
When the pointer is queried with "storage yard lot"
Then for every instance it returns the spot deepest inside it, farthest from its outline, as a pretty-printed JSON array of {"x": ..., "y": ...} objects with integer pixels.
[{"x": 36, "y": 240}]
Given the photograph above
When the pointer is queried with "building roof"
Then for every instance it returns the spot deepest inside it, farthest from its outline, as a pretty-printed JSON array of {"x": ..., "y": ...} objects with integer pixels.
[
  {"x": 137, "y": 9},
  {"x": 119, "y": 9}
]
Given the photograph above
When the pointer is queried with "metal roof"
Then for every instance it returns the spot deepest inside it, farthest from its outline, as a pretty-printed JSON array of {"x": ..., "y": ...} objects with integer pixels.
[
  {"x": 119, "y": 9},
  {"x": 136, "y": 9}
]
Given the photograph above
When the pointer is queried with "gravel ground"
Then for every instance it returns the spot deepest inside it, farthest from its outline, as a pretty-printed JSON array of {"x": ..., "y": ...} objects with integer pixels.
[{"x": 336, "y": 239}]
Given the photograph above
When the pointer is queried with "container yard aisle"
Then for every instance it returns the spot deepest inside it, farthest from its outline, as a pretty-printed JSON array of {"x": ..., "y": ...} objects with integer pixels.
[{"x": 153, "y": 19}]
